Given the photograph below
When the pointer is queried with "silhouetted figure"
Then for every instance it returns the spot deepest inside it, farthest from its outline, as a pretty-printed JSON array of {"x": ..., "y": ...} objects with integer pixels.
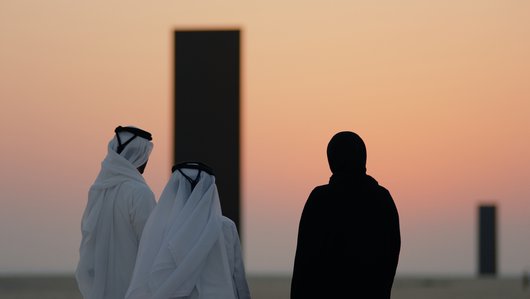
[
  {"x": 189, "y": 250},
  {"x": 348, "y": 238},
  {"x": 119, "y": 203}
]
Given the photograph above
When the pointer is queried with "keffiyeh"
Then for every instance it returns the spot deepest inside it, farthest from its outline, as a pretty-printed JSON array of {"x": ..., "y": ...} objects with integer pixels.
[
  {"x": 109, "y": 239},
  {"x": 183, "y": 252}
]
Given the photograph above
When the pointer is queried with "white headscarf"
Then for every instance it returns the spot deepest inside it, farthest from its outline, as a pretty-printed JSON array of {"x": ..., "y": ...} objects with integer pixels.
[
  {"x": 183, "y": 243},
  {"x": 137, "y": 151},
  {"x": 94, "y": 250}
]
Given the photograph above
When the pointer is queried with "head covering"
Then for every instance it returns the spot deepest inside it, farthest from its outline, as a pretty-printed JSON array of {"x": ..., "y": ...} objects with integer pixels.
[
  {"x": 182, "y": 242},
  {"x": 116, "y": 167},
  {"x": 91, "y": 272},
  {"x": 135, "y": 147},
  {"x": 346, "y": 154}
]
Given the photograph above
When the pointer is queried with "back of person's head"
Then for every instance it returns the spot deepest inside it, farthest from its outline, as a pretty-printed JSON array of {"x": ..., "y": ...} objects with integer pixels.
[
  {"x": 347, "y": 153},
  {"x": 133, "y": 144}
]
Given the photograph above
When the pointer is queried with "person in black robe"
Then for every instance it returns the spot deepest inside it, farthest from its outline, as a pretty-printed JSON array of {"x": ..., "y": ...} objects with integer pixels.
[{"x": 348, "y": 238}]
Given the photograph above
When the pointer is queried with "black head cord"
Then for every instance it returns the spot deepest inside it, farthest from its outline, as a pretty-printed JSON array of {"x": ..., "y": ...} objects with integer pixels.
[
  {"x": 193, "y": 165},
  {"x": 135, "y": 131},
  {"x": 193, "y": 182}
]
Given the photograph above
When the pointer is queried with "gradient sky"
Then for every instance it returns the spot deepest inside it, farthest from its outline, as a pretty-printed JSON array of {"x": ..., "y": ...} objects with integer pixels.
[{"x": 439, "y": 91}]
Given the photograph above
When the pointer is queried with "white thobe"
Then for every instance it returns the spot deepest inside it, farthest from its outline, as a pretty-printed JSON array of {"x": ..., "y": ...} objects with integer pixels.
[
  {"x": 119, "y": 204},
  {"x": 189, "y": 250},
  {"x": 207, "y": 285}
]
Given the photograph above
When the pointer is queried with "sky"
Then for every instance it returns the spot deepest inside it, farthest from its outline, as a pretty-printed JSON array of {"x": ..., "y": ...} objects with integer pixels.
[{"x": 439, "y": 91}]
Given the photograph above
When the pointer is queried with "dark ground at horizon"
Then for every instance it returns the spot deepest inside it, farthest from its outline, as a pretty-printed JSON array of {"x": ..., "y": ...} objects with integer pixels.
[{"x": 277, "y": 287}]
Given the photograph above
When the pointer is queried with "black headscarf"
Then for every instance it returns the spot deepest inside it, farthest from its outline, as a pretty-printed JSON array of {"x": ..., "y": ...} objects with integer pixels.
[
  {"x": 348, "y": 237},
  {"x": 347, "y": 154}
]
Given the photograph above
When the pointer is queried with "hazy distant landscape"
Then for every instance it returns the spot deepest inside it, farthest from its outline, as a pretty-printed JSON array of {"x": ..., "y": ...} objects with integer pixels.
[
  {"x": 438, "y": 89},
  {"x": 277, "y": 287}
]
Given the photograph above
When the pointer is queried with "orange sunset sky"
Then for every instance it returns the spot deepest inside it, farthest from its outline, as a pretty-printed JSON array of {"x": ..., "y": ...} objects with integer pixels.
[{"x": 439, "y": 91}]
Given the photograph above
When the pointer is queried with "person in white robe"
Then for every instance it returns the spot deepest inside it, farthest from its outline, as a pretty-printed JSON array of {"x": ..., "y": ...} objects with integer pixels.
[
  {"x": 119, "y": 204},
  {"x": 189, "y": 250}
]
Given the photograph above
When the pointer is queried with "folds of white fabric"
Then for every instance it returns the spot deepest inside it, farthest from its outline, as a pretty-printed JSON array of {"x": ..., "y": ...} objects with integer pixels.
[
  {"x": 182, "y": 248},
  {"x": 99, "y": 273}
]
